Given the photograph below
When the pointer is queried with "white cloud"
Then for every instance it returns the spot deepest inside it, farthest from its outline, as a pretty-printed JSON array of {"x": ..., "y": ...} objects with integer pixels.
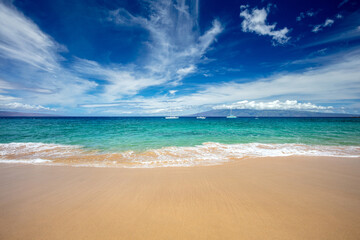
[
  {"x": 328, "y": 22},
  {"x": 4, "y": 98},
  {"x": 172, "y": 92},
  {"x": 208, "y": 38},
  {"x": 185, "y": 71},
  {"x": 4, "y": 86},
  {"x": 255, "y": 21},
  {"x": 176, "y": 45},
  {"x": 16, "y": 105},
  {"x": 100, "y": 105},
  {"x": 242, "y": 7},
  {"x": 120, "y": 81},
  {"x": 273, "y": 105},
  {"x": 34, "y": 61},
  {"x": 22, "y": 40}
]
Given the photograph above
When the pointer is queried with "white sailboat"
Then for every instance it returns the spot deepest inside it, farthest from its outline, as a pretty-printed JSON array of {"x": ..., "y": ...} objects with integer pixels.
[
  {"x": 171, "y": 117},
  {"x": 200, "y": 117},
  {"x": 231, "y": 115}
]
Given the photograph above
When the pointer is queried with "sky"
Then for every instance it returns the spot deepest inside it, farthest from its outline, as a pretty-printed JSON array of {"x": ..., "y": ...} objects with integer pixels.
[{"x": 144, "y": 57}]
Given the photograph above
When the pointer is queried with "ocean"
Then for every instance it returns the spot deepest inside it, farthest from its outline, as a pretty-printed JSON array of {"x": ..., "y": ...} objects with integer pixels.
[{"x": 183, "y": 142}]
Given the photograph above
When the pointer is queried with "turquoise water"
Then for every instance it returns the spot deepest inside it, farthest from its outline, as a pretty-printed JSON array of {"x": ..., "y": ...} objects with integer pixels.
[{"x": 139, "y": 134}]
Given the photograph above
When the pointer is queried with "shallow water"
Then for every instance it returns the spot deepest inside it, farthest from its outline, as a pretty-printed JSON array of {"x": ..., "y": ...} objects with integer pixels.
[{"x": 149, "y": 142}]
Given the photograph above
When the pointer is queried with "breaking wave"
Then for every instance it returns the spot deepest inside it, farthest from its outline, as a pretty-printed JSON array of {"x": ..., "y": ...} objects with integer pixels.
[{"x": 209, "y": 153}]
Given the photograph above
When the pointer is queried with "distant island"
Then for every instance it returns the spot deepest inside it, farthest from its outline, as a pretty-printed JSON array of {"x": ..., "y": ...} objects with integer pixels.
[
  {"x": 268, "y": 113},
  {"x": 24, "y": 114}
]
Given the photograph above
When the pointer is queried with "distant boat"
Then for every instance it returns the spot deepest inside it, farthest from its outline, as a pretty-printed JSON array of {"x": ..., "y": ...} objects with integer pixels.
[
  {"x": 171, "y": 115},
  {"x": 200, "y": 117},
  {"x": 231, "y": 116}
]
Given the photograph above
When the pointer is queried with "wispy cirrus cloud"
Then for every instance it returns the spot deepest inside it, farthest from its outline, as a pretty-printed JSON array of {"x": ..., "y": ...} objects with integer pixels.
[
  {"x": 176, "y": 44},
  {"x": 31, "y": 67},
  {"x": 5, "y": 86},
  {"x": 328, "y": 22},
  {"x": 120, "y": 81},
  {"x": 22, "y": 40},
  {"x": 254, "y": 20},
  {"x": 5, "y": 98},
  {"x": 186, "y": 71}
]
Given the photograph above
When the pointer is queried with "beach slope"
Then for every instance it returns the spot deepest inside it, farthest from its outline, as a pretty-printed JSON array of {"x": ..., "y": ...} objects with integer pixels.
[{"x": 261, "y": 198}]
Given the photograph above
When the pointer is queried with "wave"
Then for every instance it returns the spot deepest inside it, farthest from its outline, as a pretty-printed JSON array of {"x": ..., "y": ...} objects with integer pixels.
[
  {"x": 29, "y": 161},
  {"x": 209, "y": 153},
  {"x": 36, "y": 149}
]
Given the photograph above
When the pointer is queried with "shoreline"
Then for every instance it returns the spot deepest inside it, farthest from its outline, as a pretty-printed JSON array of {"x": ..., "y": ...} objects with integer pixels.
[
  {"x": 257, "y": 198},
  {"x": 205, "y": 154},
  {"x": 48, "y": 163}
]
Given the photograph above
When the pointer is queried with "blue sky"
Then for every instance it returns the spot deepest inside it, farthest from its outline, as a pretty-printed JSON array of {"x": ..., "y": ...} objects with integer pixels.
[{"x": 143, "y": 57}]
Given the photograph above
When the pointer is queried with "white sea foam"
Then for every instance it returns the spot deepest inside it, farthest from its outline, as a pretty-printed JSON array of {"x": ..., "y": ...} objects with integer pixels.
[
  {"x": 36, "y": 149},
  {"x": 206, "y": 154},
  {"x": 216, "y": 153},
  {"x": 28, "y": 161}
]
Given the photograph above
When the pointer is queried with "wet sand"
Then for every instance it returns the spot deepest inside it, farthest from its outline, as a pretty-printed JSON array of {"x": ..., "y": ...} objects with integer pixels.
[{"x": 264, "y": 198}]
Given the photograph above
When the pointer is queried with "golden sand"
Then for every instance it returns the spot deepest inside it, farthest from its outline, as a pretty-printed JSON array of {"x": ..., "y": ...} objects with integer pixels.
[{"x": 261, "y": 198}]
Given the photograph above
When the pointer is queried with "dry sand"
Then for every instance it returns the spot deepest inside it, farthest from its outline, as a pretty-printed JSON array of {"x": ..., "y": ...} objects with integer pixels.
[{"x": 268, "y": 198}]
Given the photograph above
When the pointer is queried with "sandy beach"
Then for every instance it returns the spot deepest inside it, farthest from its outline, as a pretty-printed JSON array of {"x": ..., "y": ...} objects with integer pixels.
[{"x": 260, "y": 198}]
